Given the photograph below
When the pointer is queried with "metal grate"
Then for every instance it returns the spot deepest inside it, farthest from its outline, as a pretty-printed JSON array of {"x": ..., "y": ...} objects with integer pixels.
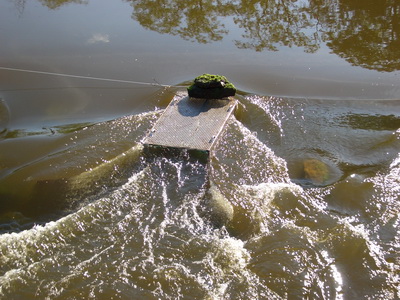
[{"x": 191, "y": 123}]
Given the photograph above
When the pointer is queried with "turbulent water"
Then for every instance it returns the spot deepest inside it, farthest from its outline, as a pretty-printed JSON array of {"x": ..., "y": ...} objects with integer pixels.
[{"x": 299, "y": 200}]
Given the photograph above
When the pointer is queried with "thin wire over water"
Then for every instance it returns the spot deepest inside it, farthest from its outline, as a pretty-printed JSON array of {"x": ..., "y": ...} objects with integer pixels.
[{"x": 86, "y": 77}]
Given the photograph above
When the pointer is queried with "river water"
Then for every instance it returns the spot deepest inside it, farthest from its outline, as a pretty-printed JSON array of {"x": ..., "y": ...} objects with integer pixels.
[{"x": 299, "y": 199}]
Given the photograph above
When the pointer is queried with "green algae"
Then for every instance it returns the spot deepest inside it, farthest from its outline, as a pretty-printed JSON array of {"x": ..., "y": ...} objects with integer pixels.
[{"x": 210, "y": 86}]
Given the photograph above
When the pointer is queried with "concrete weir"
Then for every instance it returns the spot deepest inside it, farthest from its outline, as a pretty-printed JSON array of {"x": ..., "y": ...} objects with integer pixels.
[{"x": 191, "y": 123}]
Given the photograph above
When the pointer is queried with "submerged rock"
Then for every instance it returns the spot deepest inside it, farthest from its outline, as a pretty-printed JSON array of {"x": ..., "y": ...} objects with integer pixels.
[
  {"x": 316, "y": 170},
  {"x": 220, "y": 209},
  {"x": 208, "y": 86}
]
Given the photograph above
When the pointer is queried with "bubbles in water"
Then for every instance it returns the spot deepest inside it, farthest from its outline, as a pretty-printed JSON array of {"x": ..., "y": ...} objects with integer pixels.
[{"x": 236, "y": 228}]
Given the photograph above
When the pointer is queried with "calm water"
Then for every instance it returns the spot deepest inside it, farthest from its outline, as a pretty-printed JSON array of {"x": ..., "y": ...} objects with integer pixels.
[{"x": 299, "y": 201}]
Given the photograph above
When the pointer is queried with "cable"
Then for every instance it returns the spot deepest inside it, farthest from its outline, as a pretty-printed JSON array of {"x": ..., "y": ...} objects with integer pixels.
[{"x": 85, "y": 77}]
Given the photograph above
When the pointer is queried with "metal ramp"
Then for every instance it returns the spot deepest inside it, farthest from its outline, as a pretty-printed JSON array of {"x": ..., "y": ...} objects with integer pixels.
[{"x": 191, "y": 123}]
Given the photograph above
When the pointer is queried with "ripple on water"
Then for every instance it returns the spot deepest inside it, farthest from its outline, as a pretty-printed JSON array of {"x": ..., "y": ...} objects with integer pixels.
[{"x": 150, "y": 237}]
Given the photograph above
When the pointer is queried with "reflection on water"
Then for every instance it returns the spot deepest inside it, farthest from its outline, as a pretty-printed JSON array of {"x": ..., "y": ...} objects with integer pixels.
[
  {"x": 365, "y": 33},
  {"x": 368, "y": 34},
  {"x": 371, "y": 122},
  {"x": 53, "y": 4},
  {"x": 191, "y": 20}
]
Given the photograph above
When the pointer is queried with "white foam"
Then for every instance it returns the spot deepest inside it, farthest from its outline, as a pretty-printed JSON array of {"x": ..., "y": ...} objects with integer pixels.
[
  {"x": 228, "y": 256},
  {"x": 15, "y": 247}
]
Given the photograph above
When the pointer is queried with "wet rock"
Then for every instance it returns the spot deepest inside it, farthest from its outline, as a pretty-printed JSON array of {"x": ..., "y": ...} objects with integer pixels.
[
  {"x": 208, "y": 81},
  {"x": 316, "y": 170},
  {"x": 209, "y": 86}
]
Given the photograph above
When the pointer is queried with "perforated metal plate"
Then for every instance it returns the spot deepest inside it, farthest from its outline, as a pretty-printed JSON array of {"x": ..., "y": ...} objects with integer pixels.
[{"x": 191, "y": 123}]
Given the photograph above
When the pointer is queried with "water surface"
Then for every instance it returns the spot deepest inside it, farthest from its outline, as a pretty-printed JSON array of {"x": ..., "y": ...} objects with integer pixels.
[{"x": 300, "y": 199}]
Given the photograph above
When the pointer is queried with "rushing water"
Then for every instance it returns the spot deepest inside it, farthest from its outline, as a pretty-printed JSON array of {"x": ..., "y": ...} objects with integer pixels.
[{"x": 299, "y": 199}]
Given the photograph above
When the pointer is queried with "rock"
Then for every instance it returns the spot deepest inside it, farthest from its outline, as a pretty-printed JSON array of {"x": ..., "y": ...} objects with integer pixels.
[
  {"x": 209, "y": 86},
  {"x": 316, "y": 170},
  {"x": 208, "y": 81}
]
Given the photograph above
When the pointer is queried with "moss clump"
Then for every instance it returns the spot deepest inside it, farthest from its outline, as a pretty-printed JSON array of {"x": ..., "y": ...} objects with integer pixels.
[
  {"x": 210, "y": 86},
  {"x": 207, "y": 81}
]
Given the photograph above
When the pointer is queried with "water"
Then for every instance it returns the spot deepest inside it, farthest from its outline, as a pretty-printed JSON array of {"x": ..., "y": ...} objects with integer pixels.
[{"x": 300, "y": 199}]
